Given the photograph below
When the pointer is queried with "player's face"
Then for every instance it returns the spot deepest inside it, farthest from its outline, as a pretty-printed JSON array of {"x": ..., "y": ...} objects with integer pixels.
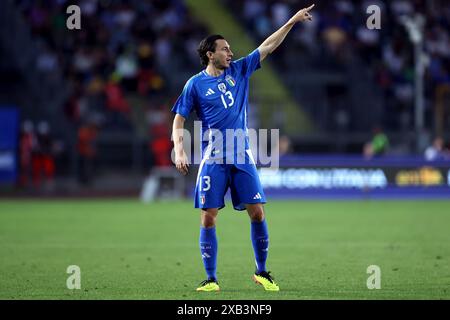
[{"x": 222, "y": 57}]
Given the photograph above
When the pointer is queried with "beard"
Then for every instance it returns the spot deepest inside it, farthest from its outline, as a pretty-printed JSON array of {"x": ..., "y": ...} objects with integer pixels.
[{"x": 218, "y": 65}]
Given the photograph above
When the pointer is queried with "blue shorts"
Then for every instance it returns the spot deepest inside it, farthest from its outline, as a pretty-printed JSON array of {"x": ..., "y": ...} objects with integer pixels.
[{"x": 214, "y": 179}]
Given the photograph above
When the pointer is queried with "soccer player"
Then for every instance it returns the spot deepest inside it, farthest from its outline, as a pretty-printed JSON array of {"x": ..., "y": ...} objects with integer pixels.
[{"x": 219, "y": 95}]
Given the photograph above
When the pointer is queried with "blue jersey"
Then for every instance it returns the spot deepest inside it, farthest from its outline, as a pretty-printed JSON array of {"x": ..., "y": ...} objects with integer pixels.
[{"x": 221, "y": 103}]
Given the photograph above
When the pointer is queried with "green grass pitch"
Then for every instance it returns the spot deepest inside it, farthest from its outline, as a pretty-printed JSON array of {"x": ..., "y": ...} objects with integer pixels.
[{"x": 130, "y": 250}]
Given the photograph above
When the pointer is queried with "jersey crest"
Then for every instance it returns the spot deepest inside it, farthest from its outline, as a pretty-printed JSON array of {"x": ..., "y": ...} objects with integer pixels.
[{"x": 222, "y": 87}]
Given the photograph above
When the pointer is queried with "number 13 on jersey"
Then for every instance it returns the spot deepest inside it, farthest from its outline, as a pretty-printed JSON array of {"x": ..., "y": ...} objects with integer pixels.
[{"x": 229, "y": 98}]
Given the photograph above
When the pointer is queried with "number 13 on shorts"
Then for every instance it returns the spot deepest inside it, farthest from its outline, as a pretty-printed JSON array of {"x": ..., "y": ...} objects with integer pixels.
[{"x": 204, "y": 183}]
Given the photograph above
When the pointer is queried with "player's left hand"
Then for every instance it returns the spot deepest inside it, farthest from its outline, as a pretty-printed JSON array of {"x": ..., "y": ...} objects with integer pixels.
[{"x": 303, "y": 15}]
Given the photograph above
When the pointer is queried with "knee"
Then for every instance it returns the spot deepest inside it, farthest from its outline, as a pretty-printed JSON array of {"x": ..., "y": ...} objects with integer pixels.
[
  {"x": 208, "y": 219},
  {"x": 256, "y": 213}
]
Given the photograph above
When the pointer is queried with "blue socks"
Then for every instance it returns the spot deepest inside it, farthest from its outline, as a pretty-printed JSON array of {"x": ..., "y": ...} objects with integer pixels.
[
  {"x": 260, "y": 240},
  {"x": 208, "y": 249}
]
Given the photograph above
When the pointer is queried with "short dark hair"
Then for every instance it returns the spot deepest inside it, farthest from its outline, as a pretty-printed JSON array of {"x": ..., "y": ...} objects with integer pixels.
[{"x": 208, "y": 44}]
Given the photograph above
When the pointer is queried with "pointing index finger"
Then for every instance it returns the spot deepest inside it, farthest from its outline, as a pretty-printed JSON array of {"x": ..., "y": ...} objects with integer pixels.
[{"x": 309, "y": 8}]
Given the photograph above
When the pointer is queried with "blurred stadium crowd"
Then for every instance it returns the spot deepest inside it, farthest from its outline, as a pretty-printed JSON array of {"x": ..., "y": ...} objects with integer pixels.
[
  {"x": 121, "y": 68},
  {"x": 130, "y": 59},
  {"x": 123, "y": 47},
  {"x": 338, "y": 38}
]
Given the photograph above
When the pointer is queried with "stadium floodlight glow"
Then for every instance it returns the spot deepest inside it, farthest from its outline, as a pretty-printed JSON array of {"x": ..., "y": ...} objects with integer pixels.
[
  {"x": 7, "y": 161},
  {"x": 415, "y": 27}
]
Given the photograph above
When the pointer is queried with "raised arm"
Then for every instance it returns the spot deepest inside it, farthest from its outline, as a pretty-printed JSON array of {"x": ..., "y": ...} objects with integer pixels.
[{"x": 272, "y": 42}]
